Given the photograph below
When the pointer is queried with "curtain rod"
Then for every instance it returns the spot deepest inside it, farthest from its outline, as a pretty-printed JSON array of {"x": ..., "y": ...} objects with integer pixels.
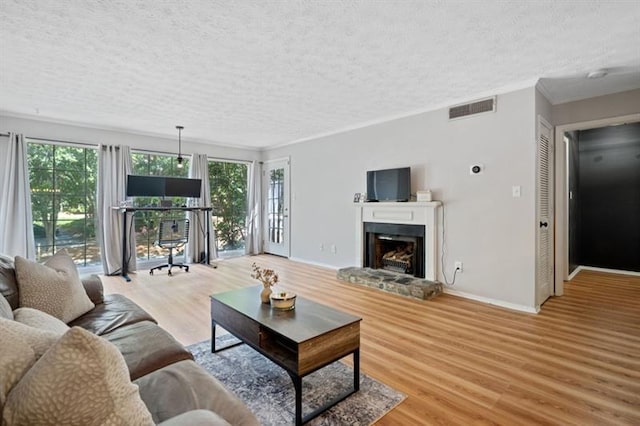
[
  {"x": 54, "y": 141},
  {"x": 134, "y": 150},
  {"x": 57, "y": 141},
  {"x": 148, "y": 151}
]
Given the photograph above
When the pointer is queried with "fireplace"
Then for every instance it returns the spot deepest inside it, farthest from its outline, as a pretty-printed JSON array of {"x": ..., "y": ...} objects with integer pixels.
[
  {"x": 395, "y": 247},
  {"x": 408, "y": 228}
]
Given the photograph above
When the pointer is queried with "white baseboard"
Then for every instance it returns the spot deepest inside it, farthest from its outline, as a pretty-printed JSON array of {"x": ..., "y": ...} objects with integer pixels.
[
  {"x": 574, "y": 273},
  {"x": 596, "y": 269},
  {"x": 501, "y": 303},
  {"x": 93, "y": 269},
  {"x": 310, "y": 262}
]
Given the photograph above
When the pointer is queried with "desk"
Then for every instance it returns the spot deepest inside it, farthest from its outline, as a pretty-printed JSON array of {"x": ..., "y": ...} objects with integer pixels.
[{"x": 125, "y": 210}]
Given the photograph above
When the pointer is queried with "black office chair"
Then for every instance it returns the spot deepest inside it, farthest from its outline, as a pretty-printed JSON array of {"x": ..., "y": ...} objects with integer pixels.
[{"x": 173, "y": 234}]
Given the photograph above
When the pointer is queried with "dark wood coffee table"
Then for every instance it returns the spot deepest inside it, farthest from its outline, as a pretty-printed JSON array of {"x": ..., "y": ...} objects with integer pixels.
[{"x": 301, "y": 340}]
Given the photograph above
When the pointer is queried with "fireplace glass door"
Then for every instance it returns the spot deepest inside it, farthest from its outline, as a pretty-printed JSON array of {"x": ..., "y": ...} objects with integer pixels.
[{"x": 395, "y": 247}]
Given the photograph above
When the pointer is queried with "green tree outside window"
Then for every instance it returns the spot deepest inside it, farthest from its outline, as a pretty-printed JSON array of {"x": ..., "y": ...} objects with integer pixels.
[
  {"x": 63, "y": 189},
  {"x": 228, "y": 182},
  {"x": 147, "y": 222}
]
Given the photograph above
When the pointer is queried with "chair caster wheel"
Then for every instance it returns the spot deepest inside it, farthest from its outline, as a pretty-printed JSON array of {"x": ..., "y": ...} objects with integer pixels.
[
  {"x": 150, "y": 272},
  {"x": 169, "y": 273}
]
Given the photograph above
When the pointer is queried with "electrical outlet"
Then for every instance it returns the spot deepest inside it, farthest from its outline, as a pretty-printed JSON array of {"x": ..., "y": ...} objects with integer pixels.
[
  {"x": 516, "y": 191},
  {"x": 334, "y": 249},
  {"x": 458, "y": 266}
]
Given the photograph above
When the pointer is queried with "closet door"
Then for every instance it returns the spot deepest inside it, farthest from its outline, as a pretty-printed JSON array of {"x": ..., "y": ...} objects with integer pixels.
[{"x": 544, "y": 213}]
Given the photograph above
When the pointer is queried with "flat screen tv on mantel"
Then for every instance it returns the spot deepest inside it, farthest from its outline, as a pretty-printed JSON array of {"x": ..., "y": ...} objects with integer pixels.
[{"x": 389, "y": 184}]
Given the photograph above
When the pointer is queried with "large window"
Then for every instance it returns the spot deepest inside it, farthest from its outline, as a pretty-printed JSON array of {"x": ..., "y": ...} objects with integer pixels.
[
  {"x": 228, "y": 183},
  {"x": 147, "y": 222},
  {"x": 63, "y": 190}
]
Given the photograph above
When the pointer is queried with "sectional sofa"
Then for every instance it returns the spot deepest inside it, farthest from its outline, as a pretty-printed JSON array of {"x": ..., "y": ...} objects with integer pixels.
[{"x": 114, "y": 339}]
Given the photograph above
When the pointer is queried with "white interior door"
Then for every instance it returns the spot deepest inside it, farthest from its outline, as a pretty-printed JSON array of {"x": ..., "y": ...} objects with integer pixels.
[
  {"x": 275, "y": 180},
  {"x": 544, "y": 213}
]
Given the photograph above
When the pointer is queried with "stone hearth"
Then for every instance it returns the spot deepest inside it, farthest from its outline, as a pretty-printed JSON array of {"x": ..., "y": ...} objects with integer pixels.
[{"x": 391, "y": 282}]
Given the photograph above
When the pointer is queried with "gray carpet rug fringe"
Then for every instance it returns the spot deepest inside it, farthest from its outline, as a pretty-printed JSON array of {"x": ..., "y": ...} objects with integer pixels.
[{"x": 268, "y": 391}]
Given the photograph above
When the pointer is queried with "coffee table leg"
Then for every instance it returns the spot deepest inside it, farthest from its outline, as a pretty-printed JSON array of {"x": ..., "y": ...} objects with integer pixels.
[
  {"x": 213, "y": 337},
  {"x": 356, "y": 370},
  {"x": 297, "y": 385},
  {"x": 213, "y": 340}
]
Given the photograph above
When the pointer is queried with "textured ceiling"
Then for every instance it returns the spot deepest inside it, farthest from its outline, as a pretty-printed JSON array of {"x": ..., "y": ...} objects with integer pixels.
[{"x": 264, "y": 73}]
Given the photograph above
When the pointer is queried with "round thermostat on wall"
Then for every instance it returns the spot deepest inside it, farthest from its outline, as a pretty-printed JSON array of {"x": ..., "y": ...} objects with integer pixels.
[{"x": 476, "y": 169}]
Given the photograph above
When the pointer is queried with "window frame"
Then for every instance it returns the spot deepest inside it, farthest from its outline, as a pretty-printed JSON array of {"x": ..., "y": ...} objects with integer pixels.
[
  {"x": 247, "y": 164},
  {"x": 52, "y": 244},
  {"x": 148, "y": 259}
]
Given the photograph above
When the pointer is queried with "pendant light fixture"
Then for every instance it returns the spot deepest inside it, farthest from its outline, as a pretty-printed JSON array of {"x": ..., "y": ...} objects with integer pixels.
[{"x": 179, "y": 146}]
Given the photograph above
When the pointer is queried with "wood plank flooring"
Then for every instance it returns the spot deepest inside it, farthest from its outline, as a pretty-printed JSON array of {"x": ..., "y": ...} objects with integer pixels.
[{"x": 459, "y": 361}]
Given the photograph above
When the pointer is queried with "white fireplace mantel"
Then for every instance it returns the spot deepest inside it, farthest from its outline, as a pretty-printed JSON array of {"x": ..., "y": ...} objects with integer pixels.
[{"x": 411, "y": 213}]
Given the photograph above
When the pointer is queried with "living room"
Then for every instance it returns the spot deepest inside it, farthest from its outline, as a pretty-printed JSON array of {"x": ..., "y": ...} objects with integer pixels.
[{"x": 488, "y": 228}]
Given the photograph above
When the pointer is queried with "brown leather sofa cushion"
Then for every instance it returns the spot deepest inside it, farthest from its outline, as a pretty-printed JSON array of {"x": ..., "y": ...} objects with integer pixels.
[
  {"x": 146, "y": 347},
  {"x": 116, "y": 311},
  {"x": 185, "y": 386},
  {"x": 93, "y": 287}
]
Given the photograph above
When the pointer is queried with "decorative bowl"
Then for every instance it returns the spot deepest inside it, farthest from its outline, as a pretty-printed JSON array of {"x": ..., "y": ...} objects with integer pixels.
[{"x": 283, "y": 300}]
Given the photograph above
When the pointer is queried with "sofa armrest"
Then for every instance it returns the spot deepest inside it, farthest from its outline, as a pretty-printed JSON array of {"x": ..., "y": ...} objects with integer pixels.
[
  {"x": 196, "y": 418},
  {"x": 93, "y": 287}
]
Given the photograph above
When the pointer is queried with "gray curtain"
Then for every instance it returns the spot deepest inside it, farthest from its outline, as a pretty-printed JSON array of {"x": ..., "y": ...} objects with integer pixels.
[
  {"x": 253, "y": 242},
  {"x": 16, "y": 218},
  {"x": 196, "y": 247},
  {"x": 114, "y": 164}
]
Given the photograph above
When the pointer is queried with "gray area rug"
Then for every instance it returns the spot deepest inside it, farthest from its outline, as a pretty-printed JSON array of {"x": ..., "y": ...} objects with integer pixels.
[{"x": 268, "y": 391}]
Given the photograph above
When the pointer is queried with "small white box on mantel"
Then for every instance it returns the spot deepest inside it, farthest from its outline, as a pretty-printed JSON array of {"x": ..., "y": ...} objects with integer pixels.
[{"x": 424, "y": 196}]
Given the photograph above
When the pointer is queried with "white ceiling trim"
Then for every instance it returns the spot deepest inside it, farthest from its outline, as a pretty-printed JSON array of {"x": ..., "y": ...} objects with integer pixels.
[
  {"x": 4, "y": 113},
  {"x": 500, "y": 91}
]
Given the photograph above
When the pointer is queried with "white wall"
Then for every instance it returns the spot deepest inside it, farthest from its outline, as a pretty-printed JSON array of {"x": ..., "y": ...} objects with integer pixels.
[
  {"x": 70, "y": 133},
  {"x": 486, "y": 228},
  {"x": 615, "y": 105},
  {"x": 543, "y": 108}
]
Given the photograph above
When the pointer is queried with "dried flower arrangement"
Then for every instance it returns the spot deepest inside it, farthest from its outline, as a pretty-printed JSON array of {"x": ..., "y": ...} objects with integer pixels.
[{"x": 267, "y": 277}]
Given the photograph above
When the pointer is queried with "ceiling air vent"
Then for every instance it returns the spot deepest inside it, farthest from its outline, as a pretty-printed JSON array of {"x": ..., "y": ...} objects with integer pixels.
[{"x": 477, "y": 107}]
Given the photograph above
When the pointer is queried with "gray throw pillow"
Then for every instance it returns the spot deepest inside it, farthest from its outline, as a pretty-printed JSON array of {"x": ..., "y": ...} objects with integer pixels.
[
  {"x": 41, "y": 320},
  {"x": 81, "y": 380},
  {"x": 17, "y": 358},
  {"x": 53, "y": 287}
]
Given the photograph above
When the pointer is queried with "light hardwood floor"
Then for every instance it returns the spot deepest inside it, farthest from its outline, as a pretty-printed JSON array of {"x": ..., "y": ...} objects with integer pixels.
[{"x": 459, "y": 361}]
